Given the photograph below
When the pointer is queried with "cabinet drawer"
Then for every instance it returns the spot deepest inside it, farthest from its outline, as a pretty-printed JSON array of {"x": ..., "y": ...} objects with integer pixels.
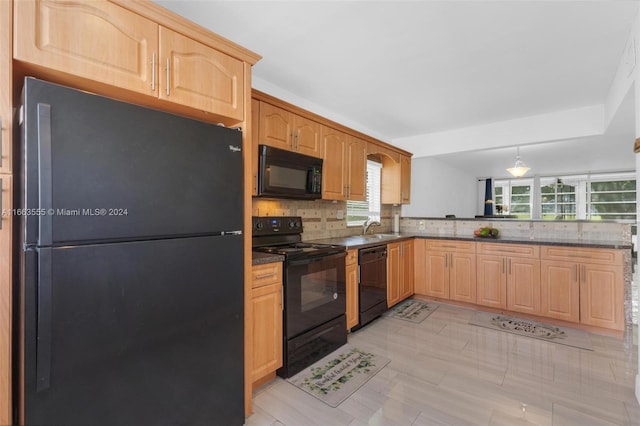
[
  {"x": 352, "y": 257},
  {"x": 451, "y": 246},
  {"x": 266, "y": 274},
  {"x": 582, "y": 255},
  {"x": 511, "y": 250}
]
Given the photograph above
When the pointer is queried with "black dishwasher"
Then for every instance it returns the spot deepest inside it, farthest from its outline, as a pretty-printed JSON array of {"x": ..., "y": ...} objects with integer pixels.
[{"x": 373, "y": 283}]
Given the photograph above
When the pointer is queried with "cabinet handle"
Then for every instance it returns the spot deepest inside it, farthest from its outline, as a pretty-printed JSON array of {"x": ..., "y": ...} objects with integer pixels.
[
  {"x": 575, "y": 272},
  {"x": 503, "y": 265},
  {"x": 446, "y": 260},
  {"x": 509, "y": 266},
  {"x": 168, "y": 71},
  {"x": 282, "y": 298},
  {"x": 583, "y": 276},
  {"x": 292, "y": 143},
  {"x": 298, "y": 140},
  {"x": 259, "y": 277},
  {"x": 153, "y": 72}
]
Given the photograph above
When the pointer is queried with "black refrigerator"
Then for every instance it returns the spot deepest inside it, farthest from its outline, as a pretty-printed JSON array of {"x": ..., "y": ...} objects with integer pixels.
[{"x": 131, "y": 275}]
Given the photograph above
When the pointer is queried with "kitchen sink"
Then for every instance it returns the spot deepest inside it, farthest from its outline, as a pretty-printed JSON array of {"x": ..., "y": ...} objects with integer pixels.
[{"x": 382, "y": 236}]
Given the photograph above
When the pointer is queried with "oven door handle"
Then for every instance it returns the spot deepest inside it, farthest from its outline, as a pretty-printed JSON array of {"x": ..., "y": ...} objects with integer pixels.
[{"x": 316, "y": 259}]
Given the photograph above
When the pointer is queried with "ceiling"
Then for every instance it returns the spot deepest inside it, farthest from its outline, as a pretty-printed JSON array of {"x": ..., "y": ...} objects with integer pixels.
[{"x": 396, "y": 69}]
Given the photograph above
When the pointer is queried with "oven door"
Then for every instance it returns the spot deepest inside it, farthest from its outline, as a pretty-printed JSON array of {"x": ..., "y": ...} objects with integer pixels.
[{"x": 314, "y": 292}]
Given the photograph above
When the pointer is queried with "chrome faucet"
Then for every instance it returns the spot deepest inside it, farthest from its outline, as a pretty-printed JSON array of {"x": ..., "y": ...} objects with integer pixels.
[{"x": 368, "y": 224}]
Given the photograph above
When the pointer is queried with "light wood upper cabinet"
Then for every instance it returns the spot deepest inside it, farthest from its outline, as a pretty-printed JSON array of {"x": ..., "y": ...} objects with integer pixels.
[
  {"x": 285, "y": 130},
  {"x": 334, "y": 178},
  {"x": 276, "y": 126},
  {"x": 58, "y": 35},
  {"x": 396, "y": 180},
  {"x": 405, "y": 179},
  {"x": 267, "y": 319},
  {"x": 352, "y": 295},
  {"x": 306, "y": 136},
  {"x": 345, "y": 166},
  {"x": 198, "y": 76},
  {"x": 132, "y": 53},
  {"x": 583, "y": 284}
]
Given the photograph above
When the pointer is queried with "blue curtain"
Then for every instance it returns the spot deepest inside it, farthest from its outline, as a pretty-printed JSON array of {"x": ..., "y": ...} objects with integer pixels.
[{"x": 488, "y": 196}]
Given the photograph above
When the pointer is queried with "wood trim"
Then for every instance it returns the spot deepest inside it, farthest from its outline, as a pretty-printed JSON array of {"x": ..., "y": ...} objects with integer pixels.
[
  {"x": 6, "y": 193},
  {"x": 188, "y": 28},
  {"x": 636, "y": 146},
  {"x": 248, "y": 154},
  {"x": 264, "y": 97}
]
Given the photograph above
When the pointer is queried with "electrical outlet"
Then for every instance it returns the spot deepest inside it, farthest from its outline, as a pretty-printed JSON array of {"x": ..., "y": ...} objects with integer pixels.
[
  {"x": 340, "y": 214},
  {"x": 421, "y": 226}
]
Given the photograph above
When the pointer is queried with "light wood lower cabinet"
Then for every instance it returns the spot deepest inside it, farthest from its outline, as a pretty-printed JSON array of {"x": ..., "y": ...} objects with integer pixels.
[
  {"x": 353, "y": 310},
  {"x": 583, "y": 285},
  {"x": 450, "y": 270},
  {"x": 266, "y": 299},
  {"x": 508, "y": 277},
  {"x": 400, "y": 271}
]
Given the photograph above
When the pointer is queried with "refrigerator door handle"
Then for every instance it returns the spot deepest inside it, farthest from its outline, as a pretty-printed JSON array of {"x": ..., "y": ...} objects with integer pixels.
[
  {"x": 45, "y": 209},
  {"x": 44, "y": 332}
]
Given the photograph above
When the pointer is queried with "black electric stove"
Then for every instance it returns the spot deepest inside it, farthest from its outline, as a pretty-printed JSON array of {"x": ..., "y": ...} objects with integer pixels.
[{"x": 314, "y": 291}]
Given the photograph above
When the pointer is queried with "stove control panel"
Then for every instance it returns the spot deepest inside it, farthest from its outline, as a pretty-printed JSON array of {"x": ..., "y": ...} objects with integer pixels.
[{"x": 273, "y": 225}]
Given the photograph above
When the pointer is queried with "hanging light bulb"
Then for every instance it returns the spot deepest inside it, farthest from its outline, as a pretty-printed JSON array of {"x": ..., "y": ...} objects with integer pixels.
[{"x": 519, "y": 169}]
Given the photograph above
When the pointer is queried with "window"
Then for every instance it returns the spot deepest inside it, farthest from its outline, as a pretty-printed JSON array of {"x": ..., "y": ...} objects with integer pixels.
[
  {"x": 557, "y": 199},
  {"x": 359, "y": 211},
  {"x": 600, "y": 196},
  {"x": 612, "y": 198},
  {"x": 513, "y": 197}
]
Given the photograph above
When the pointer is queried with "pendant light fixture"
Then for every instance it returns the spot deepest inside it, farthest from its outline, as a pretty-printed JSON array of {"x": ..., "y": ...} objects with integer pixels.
[{"x": 519, "y": 169}]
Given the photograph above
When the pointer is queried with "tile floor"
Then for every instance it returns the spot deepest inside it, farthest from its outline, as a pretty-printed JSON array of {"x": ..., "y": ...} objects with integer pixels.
[{"x": 447, "y": 372}]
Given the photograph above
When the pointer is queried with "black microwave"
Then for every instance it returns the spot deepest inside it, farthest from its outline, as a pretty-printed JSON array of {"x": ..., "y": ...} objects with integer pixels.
[{"x": 287, "y": 174}]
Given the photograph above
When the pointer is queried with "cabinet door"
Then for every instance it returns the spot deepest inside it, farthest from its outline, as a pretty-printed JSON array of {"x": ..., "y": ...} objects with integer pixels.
[
  {"x": 393, "y": 274},
  {"x": 437, "y": 274},
  {"x": 306, "y": 136},
  {"x": 357, "y": 179},
  {"x": 334, "y": 182},
  {"x": 491, "y": 286},
  {"x": 406, "y": 282},
  {"x": 352, "y": 296},
  {"x": 602, "y": 296},
  {"x": 276, "y": 127},
  {"x": 462, "y": 277},
  {"x": 419, "y": 266},
  {"x": 61, "y": 35},
  {"x": 523, "y": 285},
  {"x": 559, "y": 290},
  {"x": 200, "y": 77},
  {"x": 267, "y": 330},
  {"x": 405, "y": 179}
]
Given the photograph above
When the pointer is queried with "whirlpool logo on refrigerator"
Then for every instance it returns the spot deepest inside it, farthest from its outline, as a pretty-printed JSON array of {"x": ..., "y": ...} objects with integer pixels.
[{"x": 234, "y": 148}]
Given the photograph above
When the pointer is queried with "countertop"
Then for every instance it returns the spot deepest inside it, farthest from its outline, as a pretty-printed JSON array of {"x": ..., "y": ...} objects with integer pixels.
[{"x": 361, "y": 241}]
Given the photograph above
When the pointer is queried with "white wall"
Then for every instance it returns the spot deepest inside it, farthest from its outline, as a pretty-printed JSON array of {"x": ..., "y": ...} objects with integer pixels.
[{"x": 438, "y": 189}]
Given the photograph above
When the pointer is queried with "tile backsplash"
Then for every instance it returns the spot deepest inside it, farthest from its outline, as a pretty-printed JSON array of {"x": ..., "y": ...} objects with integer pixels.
[
  {"x": 320, "y": 217},
  {"x": 522, "y": 229}
]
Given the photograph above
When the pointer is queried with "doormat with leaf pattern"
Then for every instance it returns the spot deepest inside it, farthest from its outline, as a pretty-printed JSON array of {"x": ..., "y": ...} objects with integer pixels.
[
  {"x": 336, "y": 376},
  {"x": 412, "y": 310},
  {"x": 537, "y": 330}
]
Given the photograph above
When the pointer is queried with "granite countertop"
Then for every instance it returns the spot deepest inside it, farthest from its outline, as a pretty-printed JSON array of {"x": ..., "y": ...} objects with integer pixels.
[
  {"x": 260, "y": 258},
  {"x": 360, "y": 241}
]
